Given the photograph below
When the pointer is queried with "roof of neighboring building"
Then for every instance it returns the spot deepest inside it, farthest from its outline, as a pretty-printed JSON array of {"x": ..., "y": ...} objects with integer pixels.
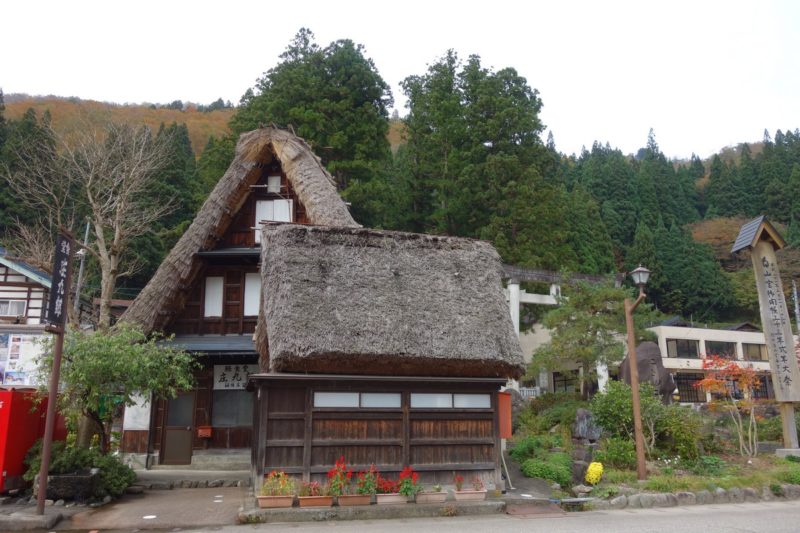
[
  {"x": 166, "y": 292},
  {"x": 36, "y": 274},
  {"x": 360, "y": 301},
  {"x": 744, "y": 326},
  {"x": 676, "y": 321},
  {"x": 214, "y": 343}
]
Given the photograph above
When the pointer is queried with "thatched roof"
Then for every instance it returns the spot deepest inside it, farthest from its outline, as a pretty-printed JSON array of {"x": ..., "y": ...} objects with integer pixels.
[
  {"x": 361, "y": 301},
  {"x": 167, "y": 290}
]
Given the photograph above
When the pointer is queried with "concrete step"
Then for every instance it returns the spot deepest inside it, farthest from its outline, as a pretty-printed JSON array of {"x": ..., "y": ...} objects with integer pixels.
[{"x": 165, "y": 479}]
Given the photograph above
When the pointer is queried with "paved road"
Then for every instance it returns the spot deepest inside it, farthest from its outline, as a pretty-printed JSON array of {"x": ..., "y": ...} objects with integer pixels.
[{"x": 777, "y": 517}]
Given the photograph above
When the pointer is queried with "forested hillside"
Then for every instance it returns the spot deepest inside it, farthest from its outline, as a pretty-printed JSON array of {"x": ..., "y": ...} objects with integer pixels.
[{"x": 468, "y": 159}]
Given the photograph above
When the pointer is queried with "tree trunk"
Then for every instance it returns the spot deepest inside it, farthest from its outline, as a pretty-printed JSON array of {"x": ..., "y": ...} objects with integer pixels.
[{"x": 87, "y": 429}]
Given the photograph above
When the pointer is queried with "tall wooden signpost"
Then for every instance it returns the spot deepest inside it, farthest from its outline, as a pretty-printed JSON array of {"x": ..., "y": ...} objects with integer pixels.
[
  {"x": 57, "y": 306},
  {"x": 763, "y": 240}
]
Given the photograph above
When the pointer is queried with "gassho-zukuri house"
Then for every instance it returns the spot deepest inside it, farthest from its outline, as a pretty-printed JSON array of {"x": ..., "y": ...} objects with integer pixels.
[{"x": 319, "y": 338}]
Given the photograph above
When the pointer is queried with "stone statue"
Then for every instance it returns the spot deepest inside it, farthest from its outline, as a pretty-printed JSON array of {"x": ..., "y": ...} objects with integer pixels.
[{"x": 651, "y": 370}]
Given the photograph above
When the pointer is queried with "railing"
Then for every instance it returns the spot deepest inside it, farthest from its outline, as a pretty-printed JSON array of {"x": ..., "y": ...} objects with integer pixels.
[{"x": 530, "y": 392}]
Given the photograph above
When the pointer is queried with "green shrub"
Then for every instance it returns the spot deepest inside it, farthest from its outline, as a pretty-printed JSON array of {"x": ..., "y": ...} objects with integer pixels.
[
  {"x": 791, "y": 476},
  {"x": 679, "y": 431},
  {"x": 793, "y": 459},
  {"x": 114, "y": 477},
  {"x": 551, "y": 471},
  {"x": 707, "y": 465},
  {"x": 666, "y": 484},
  {"x": 534, "y": 446},
  {"x": 617, "y": 452},
  {"x": 613, "y": 409},
  {"x": 550, "y": 399}
]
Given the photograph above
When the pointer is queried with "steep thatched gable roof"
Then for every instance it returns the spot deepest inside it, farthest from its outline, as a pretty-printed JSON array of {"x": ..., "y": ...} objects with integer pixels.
[
  {"x": 314, "y": 186},
  {"x": 362, "y": 301}
]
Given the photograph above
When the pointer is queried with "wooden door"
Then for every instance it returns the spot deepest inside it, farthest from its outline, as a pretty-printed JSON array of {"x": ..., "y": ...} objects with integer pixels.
[{"x": 176, "y": 448}]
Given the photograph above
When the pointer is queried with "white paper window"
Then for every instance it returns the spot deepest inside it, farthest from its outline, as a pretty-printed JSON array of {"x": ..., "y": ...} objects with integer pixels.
[
  {"x": 12, "y": 307},
  {"x": 437, "y": 401},
  {"x": 213, "y": 297},
  {"x": 274, "y": 184},
  {"x": 380, "y": 399},
  {"x": 335, "y": 399},
  {"x": 472, "y": 401},
  {"x": 272, "y": 210},
  {"x": 252, "y": 293}
]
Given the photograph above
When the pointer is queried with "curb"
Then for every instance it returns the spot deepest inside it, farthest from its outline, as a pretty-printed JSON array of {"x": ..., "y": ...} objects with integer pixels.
[
  {"x": 23, "y": 521},
  {"x": 647, "y": 500}
]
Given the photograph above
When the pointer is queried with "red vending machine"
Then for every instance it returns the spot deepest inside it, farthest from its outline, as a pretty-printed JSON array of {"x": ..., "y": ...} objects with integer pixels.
[{"x": 21, "y": 423}]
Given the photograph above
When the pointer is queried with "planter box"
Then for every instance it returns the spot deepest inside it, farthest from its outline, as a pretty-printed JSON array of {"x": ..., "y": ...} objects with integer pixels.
[
  {"x": 315, "y": 501},
  {"x": 79, "y": 486},
  {"x": 390, "y": 499},
  {"x": 270, "y": 502},
  {"x": 431, "y": 497},
  {"x": 470, "y": 495},
  {"x": 346, "y": 500}
]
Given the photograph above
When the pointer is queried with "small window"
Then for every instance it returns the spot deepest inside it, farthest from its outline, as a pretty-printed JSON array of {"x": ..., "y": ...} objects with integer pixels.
[
  {"x": 726, "y": 350},
  {"x": 431, "y": 400},
  {"x": 252, "y": 293},
  {"x": 755, "y": 352},
  {"x": 231, "y": 408},
  {"x": 335, "y": 399},
  {"x": 686, "y": 348},
  {"x": 271, "y": 210},
  {"x": 380, "y": 399},
  {"x": 472, "y": 401},
  {"x": 12, "y": 307},
  {"x": 213, "y": 297},
  {"x": 274, "y": 184}
]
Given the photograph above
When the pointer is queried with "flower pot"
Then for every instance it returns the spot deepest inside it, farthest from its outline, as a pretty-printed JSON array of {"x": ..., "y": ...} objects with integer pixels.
[
  {"x": 469, "y": 495},
  {"x": 390, "y": 499},
  {"x": 270, "y": 502},
  {"x": 315, "y": 501},
  {"x": 431, "y": 497},
  {"x": 346, "y": 500}
]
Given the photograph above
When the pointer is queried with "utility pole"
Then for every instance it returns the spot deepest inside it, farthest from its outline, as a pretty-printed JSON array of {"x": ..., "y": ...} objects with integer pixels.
[{"x": 82, "y": 252}]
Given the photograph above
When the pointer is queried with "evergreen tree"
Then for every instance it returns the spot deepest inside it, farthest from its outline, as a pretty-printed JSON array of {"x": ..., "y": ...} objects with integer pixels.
[{"x": 217, "y": 156}]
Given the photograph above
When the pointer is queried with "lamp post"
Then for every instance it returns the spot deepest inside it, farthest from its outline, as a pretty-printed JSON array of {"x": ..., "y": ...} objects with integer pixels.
[{"x": 640, "y": 276}]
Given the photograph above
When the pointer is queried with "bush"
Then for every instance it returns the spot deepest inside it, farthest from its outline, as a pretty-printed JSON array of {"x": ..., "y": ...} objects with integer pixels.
[
  {"x": 551, "y": 471},
  {"x": 680, "y": 429},
  {"x": 617, "y": 453},
  {"x": 114, "y": 477},
  {"x": 666, "y": 484},
  {"x": 549, "y": 410},
  {"x": 707, "y": 465},
  {"x": 551, "y": 399},
  {"x": 791, "y": 476},
  {"x": 534, "y": 446}
]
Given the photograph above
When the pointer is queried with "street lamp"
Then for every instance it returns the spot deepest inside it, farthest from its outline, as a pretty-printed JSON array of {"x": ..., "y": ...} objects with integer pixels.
[{"x": 640, "y": 276}]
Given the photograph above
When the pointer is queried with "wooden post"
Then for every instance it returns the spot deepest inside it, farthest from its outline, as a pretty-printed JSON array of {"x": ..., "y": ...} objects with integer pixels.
[
  {"x": 630, "y": 307},
  {"x": 56, "y": 314}
]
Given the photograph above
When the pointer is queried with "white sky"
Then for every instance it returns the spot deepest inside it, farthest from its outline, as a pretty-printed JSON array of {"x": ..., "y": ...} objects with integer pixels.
[{"x": 702, "y": 74}]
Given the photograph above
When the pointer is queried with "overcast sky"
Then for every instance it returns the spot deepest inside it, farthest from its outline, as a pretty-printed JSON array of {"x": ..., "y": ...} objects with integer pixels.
[{"x": 702, "y": 74}]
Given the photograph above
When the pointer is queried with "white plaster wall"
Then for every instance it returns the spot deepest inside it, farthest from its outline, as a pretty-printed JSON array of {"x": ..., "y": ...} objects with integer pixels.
[{"x": 137, "y": 416}]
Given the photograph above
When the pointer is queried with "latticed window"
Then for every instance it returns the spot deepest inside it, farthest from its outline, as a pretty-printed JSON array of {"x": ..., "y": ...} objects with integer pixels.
[
  {"x": 687, "y": 391},
  {"x": 755, "y": 352},
  {"x": 726, "y": 350},
  {"x": 683, "y": 348},
  {"x": 12, "y": 307}
]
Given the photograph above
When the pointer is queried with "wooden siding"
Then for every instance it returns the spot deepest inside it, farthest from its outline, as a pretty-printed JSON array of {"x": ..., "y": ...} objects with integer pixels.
[
  {"x": 305, "y": 441},
  {"x": 15, "y": 286}
]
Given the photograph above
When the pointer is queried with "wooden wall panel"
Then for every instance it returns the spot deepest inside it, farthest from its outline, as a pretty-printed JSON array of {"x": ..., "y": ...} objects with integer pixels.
[
  {"x": 451, "y": 429},
  {"x": 357, "y": 455},
  {"x": 345, "y": 429},
  {"x": 134, "y": 441},
  {"x": 289, "y": 400},
  {"x": 284, "y": 456},
  {"x": 452, "y": 454},
  {"x": 285, "y": 429}
]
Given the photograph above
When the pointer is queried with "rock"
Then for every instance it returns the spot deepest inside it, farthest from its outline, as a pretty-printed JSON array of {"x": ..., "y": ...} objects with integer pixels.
[
  {"x": 240, "y": 483},
  {"x": 518, "y": 405},
  {"x": 215, "y": 483},
  {"x": 791, "y": 491},
  {"x": 135, "y": 489},
  {"x": 581, "y": 490},
  {"x": 231, "y": 482},
  {"x": 161, "y": 486},
  {"x": 22, "y": 501},
  {"x": 555, "y": 486},
  {"x": 600, "y": 505},
  {"x": 750, "y": 494},
  {"x": 579, "y": 453},
  {"x": 59, "y": 503},
  {"x": 202, "y": 484},
  {"x": 579, "y": 471},
  {"x": 704, "y": 497},
  {"x": 721, "y": 496},
  {"x": 635, "y": 501},
  {"x": 665, "y": 500},
  {"x": 766, "y": 494},
  {"x": 49, "y": 503},
  {"x": 186, "y": 484},
  {"x": 735, "y": 495},
  {"x": 686, "y": 498},
  {"x": 79, "y": 487},
  {"x": 107, "y": 499},
  {"x": 647, "y": 500},
  {"x": 585, "y": 427},
  {"x": 5, "y": 500},
  {"x": 32, "y": 500},
  {"x": 620, "y": 502}
]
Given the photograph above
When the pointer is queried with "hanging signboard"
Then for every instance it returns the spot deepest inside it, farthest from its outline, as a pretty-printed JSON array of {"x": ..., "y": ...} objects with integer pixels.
[
  {"x": 232, "y": 377},
  {"x": 56, "y": 305}
]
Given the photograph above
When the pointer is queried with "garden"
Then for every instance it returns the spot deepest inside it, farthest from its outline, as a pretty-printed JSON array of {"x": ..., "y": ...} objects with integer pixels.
[{"x": 586, "y": 448}]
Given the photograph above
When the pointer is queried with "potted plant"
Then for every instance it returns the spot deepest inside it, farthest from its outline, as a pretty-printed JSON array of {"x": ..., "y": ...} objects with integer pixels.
[
  {"x": 478, "y": 492},
  {"x": 277, "y": 491},
  {"x": 312, "y": 494},
  {"x": 407, "y": 483},
  {"x": 340, "y": 485},
  {"x": 388, "y": 492},
  {"x": 435, "y": 495}
]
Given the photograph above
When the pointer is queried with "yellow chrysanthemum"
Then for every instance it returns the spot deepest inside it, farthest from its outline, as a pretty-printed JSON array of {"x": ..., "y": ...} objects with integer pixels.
[{"x": 594, "y": 473}]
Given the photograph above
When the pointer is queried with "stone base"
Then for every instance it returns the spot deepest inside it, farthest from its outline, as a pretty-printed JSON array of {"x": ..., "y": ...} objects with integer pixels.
[{"x": 785, "y": 452}]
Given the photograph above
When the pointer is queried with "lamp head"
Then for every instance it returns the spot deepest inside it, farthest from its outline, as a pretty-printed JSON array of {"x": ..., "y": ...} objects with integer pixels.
[{"x": 640, "y": 275}]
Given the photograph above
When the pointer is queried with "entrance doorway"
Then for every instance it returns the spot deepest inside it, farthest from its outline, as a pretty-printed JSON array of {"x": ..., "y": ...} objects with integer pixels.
[{"x": 176, "y": 444}]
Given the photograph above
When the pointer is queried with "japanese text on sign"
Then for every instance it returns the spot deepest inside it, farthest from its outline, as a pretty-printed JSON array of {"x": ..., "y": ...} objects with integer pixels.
[
  {"x": 56, "y": 305},
  {"x": 232, "y": 377}
]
